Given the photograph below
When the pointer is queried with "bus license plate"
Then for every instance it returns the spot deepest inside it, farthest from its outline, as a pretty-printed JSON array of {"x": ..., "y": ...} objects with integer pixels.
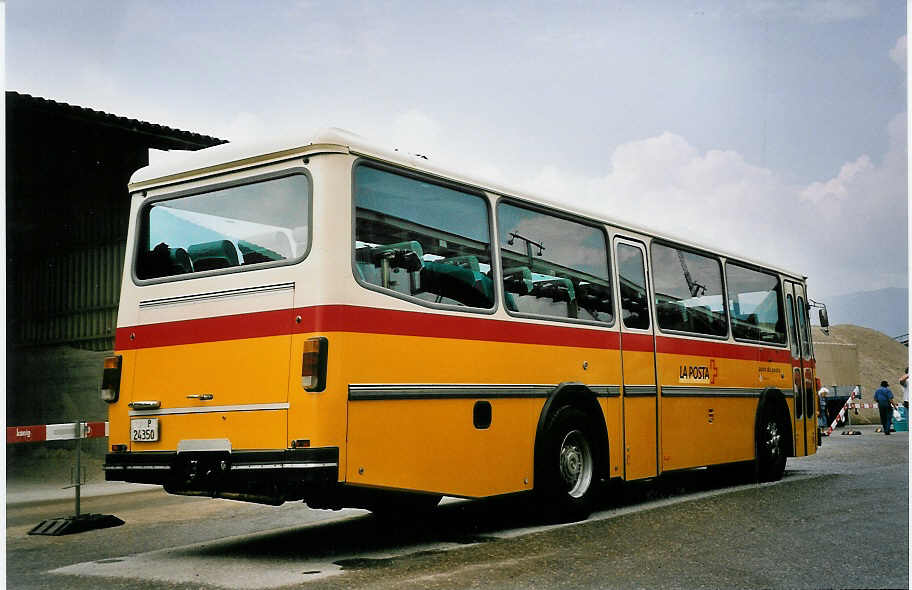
[{"x": 144, "y": 430}]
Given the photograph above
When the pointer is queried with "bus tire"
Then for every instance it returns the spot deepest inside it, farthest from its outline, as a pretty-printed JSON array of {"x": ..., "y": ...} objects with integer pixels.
[
  {"x": 771, "y": 446},
  {"x": 566, "y": 474}
]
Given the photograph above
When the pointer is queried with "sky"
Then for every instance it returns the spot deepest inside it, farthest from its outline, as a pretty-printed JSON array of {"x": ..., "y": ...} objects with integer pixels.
[{"x": 776, "y": 130}]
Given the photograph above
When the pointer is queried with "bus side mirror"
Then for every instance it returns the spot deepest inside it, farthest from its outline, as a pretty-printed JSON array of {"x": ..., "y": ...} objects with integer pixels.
[{"x": 824, "y": 320}]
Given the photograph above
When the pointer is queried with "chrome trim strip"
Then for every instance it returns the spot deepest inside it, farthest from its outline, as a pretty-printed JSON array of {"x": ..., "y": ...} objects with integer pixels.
[
  {"x": 216, "y": 295},
  {"x": 364, "y": 392},
  {"x": 681, "y": 391},
  {"x": 194, "y": 445},
  {"x": 640, "y": 390},
  {"x": 606, "y": 390},
  {"x": 210, "y": 409},
  {"x": 243, "y": 466},
  {"x": 376, "y": 391}
]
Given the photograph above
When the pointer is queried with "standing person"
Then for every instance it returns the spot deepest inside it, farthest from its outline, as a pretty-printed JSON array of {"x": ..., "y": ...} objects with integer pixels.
[
  {"x": 884, "y": 399},
  {"x": 904, "y": 382},
  {"x": 822, "y": 401}
]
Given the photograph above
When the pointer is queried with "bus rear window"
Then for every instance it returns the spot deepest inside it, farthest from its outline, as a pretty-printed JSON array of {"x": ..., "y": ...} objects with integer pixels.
[{"x": 262, "y": 223}]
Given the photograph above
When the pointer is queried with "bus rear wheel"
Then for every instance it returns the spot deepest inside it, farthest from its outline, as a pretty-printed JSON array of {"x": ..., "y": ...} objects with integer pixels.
[
  {"x": 771, "y": 448},
  {"x": 567, "y": 471}
]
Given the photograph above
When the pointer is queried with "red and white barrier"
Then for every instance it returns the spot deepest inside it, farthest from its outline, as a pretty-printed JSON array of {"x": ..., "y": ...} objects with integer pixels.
[
  {"x": 44, "y": 432},
  {"x": 841, "y": 414}
]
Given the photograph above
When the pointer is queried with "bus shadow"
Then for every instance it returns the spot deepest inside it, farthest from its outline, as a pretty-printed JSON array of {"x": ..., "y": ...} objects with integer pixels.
[
  {"x": 372, "y": 541},
  {"x": 451, "y": 524}
]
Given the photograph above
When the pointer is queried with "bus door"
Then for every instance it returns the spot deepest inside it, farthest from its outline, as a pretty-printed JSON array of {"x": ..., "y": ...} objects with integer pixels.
[
  {"x": 639, "y": 392},
  {"x": 796, "y": 342},
  {"x": 807, "y": 371}
]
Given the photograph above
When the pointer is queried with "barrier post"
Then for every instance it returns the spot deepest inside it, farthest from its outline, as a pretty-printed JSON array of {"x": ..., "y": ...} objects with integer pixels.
[
  {"x": 80, "y": 427},
  {"x": 80, "y": 430}
]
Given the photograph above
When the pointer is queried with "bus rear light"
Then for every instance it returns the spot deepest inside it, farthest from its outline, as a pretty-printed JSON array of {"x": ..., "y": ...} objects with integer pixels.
[
  {"x": 110, "y": 379},
  {"x": 118, "y": 448},
  {"x": 313, "y": 364},
  {"x": 300, "y": 443}
]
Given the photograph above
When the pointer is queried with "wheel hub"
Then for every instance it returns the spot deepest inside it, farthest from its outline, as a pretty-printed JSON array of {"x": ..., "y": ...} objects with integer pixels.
[
  {"x": 576, "y": 464},
  {"x": 772, "y": 440}
]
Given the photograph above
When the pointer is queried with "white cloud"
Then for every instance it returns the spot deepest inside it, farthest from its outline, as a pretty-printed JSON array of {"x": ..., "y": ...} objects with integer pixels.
[
  {"x": 415, "y": 132},
  {"x": 811, "y": 11},
  {"x": 243, "y": 127},
  {"x": 841, "y": 186},
  {"x": 846, "y": 233},
  {"x": 898, "y": 53}
]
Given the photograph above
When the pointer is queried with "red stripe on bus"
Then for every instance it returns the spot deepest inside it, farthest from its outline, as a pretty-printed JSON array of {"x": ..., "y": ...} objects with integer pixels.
[
  {"x": 349, "y": 318},
  {"x": 18, "y": 434},
  {"x": 688, "y": 346},
  {"x": 638, "y": 343},
  {"x": 230, "y": 327}
]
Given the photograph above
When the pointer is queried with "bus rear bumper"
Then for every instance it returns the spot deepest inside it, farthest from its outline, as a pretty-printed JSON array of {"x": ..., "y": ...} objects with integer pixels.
[{"x": 264, "y": 476}]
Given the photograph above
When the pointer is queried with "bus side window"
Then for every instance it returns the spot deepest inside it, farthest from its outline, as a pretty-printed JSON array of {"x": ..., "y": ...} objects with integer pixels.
[
  {"x": 688, "y": 291},
  {"x": 632, "y": 278},
  {"x": 755, "y": 305},
  {"x": 436, "y": 235},
  {"x": 553, "y": 266}
]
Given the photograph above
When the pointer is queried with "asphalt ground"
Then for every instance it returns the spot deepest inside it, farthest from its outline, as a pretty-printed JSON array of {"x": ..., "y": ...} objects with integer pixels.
[{"x": 839, "y": 519}]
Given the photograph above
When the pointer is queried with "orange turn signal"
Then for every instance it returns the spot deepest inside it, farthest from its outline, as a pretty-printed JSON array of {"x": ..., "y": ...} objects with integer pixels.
[
  {"x": 110, "y": 379},
  {"x": 313, "y": 364}
]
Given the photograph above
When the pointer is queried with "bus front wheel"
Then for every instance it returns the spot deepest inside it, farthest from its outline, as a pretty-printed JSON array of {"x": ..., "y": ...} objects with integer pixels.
[
  {"x": 771, "y": 448},
  {"x": 567, "y": 471}
]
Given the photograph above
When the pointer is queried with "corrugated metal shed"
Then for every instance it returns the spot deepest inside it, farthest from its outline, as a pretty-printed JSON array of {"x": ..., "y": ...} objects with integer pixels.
[{"x": 67, "y": 214}]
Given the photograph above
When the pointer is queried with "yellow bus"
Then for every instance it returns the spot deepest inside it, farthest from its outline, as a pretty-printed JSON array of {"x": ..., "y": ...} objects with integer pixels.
[{"x": 346, "y": 325}]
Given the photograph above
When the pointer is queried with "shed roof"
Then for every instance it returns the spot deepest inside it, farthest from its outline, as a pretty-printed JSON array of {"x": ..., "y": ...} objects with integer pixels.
[{"x": 156, "y": 136}]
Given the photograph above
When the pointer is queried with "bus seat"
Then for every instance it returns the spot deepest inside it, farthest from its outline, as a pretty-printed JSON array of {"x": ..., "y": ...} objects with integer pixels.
[
  {"x": 595, "y": 297},
  {"x": 469, "y": 262},
  {"x": 405, "y": 255},
  {"x": 518, "y": 279},
  {"x": 180, "y": 261},
  {"x": 557, "y": 288},
  {"x": 671, "y": 315},
  {"x": 702, "y": 320},
  {"x": 510, "y": 302},
  {"x": 457, "y": 283},
  {"x": 163, "y": 261},
  {"x": 213, "y": 255},
  {"x": 751, "y": 330},
  {"x": 253, "y": 253}
]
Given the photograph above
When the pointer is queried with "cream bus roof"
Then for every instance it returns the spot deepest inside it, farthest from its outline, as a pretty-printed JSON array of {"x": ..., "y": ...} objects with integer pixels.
[{"x": 173, "y": 167}]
